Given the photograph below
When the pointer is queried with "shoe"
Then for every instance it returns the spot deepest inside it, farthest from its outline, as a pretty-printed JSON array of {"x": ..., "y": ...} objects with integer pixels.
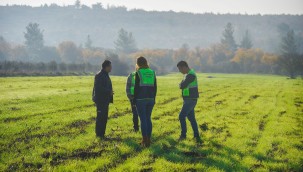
[
  {"x": 136, "y": 130},
  {"x": 148, "y": 142},
  {"x": 103, "y": 138},
  {"x": 144, "y": 142},
  {"x": 181, "y": 138},
  {"x": 198, "y": 140}
]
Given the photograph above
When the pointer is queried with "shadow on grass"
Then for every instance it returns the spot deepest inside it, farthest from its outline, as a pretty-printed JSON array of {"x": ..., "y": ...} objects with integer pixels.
[{"x": 213, "y": 155}]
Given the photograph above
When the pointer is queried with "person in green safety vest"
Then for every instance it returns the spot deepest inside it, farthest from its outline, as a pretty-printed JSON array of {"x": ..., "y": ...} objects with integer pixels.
[
  {"x": 130, "y": 91},
  {"x": 190, "y": 94},
  {"x": 144, "y": 97}
]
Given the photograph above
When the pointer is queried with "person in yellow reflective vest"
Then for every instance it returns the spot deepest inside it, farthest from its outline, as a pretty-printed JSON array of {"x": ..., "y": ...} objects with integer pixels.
[
  {"x": 130, "y": 91},
  {"x": 144, "y": 97},
  {"x": 190, "y": 94}
]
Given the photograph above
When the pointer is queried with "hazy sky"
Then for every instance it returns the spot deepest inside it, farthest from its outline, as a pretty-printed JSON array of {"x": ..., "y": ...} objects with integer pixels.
[{"x": 196, "y": 6}]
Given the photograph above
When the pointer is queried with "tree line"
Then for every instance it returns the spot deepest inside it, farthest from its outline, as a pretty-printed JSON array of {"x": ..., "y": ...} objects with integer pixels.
[
  {"x": 152, "y": 29},
  {"x": 227, "y": 56}
]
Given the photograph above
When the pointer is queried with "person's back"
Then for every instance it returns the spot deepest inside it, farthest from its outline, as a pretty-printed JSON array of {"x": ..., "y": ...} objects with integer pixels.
[
  {"x": 148, "y": 89},
  {"x": 102, "y": 92},
  {"x": 102, "y": 96},
  {"x": 144, "y": 97}
]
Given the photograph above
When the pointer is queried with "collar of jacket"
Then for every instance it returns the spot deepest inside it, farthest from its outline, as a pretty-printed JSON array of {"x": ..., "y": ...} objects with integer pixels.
[{"x": 103, "y": 71}]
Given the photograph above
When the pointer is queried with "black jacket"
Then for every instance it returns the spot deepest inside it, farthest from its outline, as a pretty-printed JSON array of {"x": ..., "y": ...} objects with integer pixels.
[{"x": 102, "y": 92}]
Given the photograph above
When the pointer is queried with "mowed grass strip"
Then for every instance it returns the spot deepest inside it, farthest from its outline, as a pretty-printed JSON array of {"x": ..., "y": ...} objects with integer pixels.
[{"x": 247, "y": 122}]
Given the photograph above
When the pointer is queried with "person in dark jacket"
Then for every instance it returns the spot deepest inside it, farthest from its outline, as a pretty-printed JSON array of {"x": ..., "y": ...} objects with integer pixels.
[
  {"x": 102, "y": 96},
  {"x": 144, "y": 98},
  {"x": 130, "y": 88},
  {"x": 190, "y": 94}
]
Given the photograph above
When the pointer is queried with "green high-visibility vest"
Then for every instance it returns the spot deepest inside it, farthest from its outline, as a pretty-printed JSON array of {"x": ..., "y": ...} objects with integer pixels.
[
  {"x": 133, "y": 82},
  {"x": 194, "y": 84},
  {"x": 147, "y": 77}
]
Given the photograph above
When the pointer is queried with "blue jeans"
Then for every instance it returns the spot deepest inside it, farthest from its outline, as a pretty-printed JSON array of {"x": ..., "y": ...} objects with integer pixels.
[
  {"x": 188, "y": 110},
  {"x": 145, "y": 108}
]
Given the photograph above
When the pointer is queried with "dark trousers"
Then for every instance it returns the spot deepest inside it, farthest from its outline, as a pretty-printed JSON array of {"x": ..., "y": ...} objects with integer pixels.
[
  {"x": 145, "y": 108},
  {"x": 101, "y": 120},
  {"x": 135, "y": 116},
  {"x": 188, "y": 110}
]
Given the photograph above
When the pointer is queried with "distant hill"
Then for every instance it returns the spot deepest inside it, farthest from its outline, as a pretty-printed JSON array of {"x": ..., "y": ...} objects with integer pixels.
[{"x": 151, "y": 29}]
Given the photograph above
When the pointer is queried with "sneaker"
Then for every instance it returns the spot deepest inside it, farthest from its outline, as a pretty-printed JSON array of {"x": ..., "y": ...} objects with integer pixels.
[
  {"x": 181, "y": 138},
  {"x": 198, "y": 140}
]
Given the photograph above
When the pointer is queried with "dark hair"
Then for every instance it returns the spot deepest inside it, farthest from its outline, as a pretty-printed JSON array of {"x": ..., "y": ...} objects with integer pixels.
[
  {"x": 182, "y": 64},
  {"x": 106, "y": 63},
  {"x": 142, "y": 62}
]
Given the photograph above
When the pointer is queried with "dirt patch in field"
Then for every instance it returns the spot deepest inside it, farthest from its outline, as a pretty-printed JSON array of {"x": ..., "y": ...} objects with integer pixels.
[
  {"x": 204, "y": 126},
  {"x": 14, "y": 119},
  {"x": 298, "y": 102},
  {"x": 251, "y": 98},
  {"x": 282, "y": 113},
  {"x": 194, "y": 154},
  {"x": 78, "y": 124},
  {"x": 242, "y": 113},
  {"x": 213, "y": 96},
  {"x": 169, "y": 100},
  {"x": 256, "y": 166},
  {"x": 77, "y": 154},
  {"x": 146, "y": 169},
  {"x": 261, "y": 125},
  {"x": 156, "y": 118},
  {"x": 15, "y": 108},
  {"x": 24, "y": 165}
]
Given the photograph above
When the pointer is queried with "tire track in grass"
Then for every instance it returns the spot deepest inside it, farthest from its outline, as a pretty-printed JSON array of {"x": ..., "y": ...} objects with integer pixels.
[
  {"x": 15, "y": 119},
  {"x": 82, "y": 153},
  {"x": 88, "y": 153},
  {"x": 80, "y": 125},
  {"x": 137, "y": 151},
  {"x": 261, "y": 127}
]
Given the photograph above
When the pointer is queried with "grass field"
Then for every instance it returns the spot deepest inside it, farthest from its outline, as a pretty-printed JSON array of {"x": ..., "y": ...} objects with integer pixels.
[{"x": 247, "y": 123}]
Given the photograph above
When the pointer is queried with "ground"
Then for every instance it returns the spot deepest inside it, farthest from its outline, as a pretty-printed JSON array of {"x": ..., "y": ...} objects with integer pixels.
[{"x": 247, "y": 123}]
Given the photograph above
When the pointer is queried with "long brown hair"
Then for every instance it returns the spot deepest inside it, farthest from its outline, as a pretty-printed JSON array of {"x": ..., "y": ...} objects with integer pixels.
[{"x": 142, "y": 62}]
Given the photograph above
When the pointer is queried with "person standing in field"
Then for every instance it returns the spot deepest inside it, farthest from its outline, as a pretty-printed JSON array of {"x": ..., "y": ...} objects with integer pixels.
[
  {"x": 102, "y": 96},
  {"x": 190, "y": 94},
  {"x": 130, "y": 91},
  {"x": 144, "y": 97}
]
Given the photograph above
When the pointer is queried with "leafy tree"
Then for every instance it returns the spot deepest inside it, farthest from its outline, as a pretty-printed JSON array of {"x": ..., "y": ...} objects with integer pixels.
[
  {"x": 246, "y": 42},
  {"x": 5, "y": 49},
  {"x": 283, "y": 28},
  {"x": 228, "y": 38},
  {"x": 289, "y": 56},
  {"x": 97, "y": 6},
  {"x": 77, "y": 4},
  {"x": 88, "y": 43},
  {"x": 69, "y": 52},
  {"x": 126, "y": 42},
  {"x": 34, "y": 38},
  {"x": 120, "y": 68}
]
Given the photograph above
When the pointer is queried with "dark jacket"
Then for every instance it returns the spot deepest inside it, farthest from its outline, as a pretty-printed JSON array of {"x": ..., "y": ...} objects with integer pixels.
[
  {"x": 194, "y": 93},
  {"x": 102, "y": 92},
  {"x": 144, "y": 92}
]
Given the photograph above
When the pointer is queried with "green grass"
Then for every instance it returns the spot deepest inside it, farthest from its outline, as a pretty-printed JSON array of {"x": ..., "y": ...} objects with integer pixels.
[{"x": 247, "y": 123}]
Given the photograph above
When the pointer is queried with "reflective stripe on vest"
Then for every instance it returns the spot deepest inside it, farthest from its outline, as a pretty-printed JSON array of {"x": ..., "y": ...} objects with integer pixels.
[
  {"x": 132, "y": 87},
  {"x": 147, "y": 77},
  {"x": 194, "y": 84}
]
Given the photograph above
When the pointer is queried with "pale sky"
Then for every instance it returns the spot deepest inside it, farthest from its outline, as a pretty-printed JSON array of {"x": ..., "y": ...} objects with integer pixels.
[{"x": 195, "y": 6}]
